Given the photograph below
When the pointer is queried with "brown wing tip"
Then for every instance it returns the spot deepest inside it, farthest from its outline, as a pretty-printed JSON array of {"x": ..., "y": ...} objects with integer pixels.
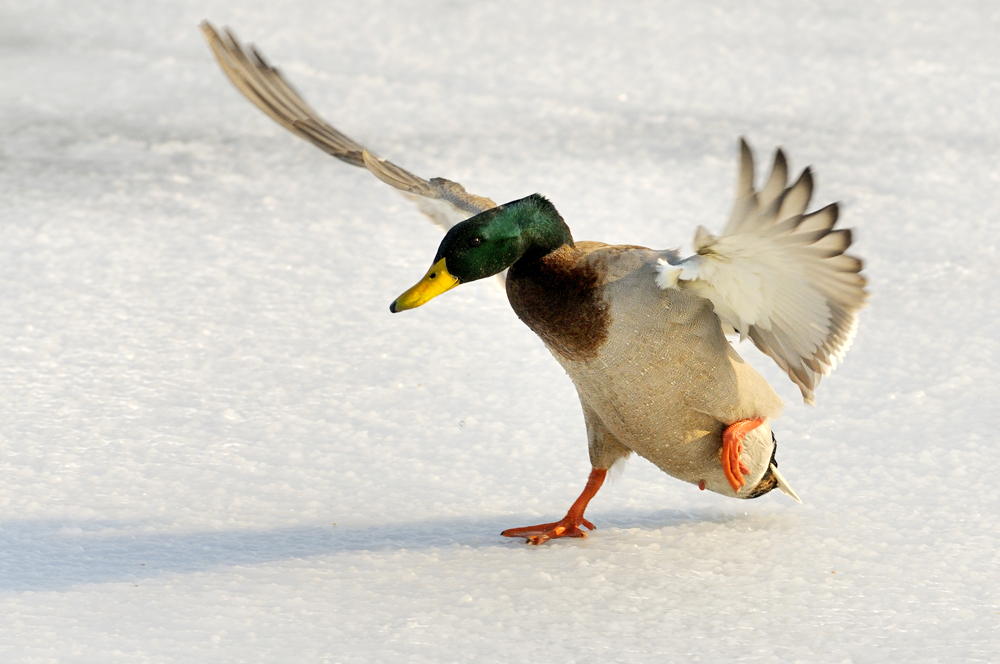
[
  {"x": 746, "y": 154},
  {"x": 212, "y": 36},
  {"x": 807, "y": 178},
  {"x": 780, "y": 161}
]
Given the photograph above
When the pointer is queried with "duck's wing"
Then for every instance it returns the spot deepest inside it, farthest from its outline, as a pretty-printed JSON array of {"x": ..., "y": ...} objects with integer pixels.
[
  {"x": 444, "y": 201},
  {"x": 778, "y": 275}
]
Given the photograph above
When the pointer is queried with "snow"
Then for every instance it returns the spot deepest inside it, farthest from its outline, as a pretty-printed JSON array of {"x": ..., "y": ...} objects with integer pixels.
[{"x": 218, "y": 445}]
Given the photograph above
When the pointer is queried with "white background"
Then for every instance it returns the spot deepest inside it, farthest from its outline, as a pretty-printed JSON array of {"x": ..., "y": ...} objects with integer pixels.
[{"x": 218, "y": 445}]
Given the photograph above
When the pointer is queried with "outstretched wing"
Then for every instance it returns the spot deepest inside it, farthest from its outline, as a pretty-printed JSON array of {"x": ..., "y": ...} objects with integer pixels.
[
  {"x": 444, "y": 201},
  {"x": 778, "y": 275}
]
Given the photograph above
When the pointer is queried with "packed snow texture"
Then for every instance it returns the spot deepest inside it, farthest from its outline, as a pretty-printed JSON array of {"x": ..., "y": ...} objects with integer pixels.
[{"x": 218, "y": 445}]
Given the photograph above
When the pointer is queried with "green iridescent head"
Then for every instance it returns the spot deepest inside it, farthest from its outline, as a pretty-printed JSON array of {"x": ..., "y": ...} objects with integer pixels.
[{"x": 487, "y": 244}]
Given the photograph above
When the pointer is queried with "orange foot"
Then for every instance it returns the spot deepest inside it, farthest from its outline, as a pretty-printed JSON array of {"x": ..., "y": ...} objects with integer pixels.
[
  {"x": 732, "y": 447},
  {"x": 546, "y": 531},
  {"x": 570, "y": 524}
]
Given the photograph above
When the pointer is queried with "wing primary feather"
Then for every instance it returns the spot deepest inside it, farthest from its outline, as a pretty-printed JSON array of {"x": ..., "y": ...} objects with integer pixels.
[
  {"x": 266, "y": 88},
  {"x": 743, "y": 204},
  {"x": 821, "y": 220},
  {"x": 776, "y": 181},
  {"x": 796, "y": 198},
  {"x": 744, "y": 185}
]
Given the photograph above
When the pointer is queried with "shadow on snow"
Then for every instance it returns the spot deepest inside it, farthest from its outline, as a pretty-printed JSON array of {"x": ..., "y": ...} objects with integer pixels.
[{"x": 52, "y": 555}]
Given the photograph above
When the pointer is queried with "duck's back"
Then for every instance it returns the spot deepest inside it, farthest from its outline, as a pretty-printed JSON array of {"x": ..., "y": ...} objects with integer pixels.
[{"x": 652, "y": 365}]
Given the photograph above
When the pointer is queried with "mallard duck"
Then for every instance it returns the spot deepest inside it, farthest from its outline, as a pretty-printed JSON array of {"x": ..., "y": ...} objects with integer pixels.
[{"x": 641, "y": 332}]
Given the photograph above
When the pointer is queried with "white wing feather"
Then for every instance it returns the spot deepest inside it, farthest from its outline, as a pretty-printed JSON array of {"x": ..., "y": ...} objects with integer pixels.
[
  {"x": 444, "y": 201},
  {"x": 777, "y": 275}
]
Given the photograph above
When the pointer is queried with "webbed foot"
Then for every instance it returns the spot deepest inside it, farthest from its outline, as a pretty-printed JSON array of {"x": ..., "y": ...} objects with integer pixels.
[
  {"x": 546, "y": 531},
  {"x": 732, "y": 447}
]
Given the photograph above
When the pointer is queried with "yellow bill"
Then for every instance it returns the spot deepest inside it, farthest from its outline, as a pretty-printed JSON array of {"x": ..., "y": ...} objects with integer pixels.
[{"x": 437, "y": 280}]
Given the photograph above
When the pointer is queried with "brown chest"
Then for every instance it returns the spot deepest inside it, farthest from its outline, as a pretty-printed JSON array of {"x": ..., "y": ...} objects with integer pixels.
[{"x": 559, "y": 297}]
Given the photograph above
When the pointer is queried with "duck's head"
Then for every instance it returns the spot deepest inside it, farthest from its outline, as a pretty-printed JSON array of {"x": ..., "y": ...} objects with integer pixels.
[{"x": 487, "y": 244}]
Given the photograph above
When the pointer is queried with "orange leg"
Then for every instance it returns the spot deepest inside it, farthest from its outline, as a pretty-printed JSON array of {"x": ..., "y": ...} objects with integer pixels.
[
  {"x": 570, "y": 524},
  {"x": 732, "y": 447}
]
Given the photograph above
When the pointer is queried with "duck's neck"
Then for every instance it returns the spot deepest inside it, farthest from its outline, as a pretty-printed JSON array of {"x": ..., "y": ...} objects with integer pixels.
[
  {"x": 542, "y": 228},
  {"x": 553, "y": 291}
]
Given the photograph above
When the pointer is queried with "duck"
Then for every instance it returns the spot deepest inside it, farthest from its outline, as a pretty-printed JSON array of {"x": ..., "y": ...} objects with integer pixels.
[{"x": 644, "y": 334}]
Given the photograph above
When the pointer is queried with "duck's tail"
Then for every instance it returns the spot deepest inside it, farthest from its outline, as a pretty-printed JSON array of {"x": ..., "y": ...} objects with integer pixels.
[{"x": 783, "y": 484}]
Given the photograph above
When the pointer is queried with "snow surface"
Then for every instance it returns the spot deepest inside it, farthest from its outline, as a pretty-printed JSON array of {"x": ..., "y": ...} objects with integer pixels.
[{"x": 218, "y": 445}]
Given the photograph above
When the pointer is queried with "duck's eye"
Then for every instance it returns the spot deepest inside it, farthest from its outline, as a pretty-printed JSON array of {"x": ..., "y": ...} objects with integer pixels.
[{"x": 475, "y": 242}]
